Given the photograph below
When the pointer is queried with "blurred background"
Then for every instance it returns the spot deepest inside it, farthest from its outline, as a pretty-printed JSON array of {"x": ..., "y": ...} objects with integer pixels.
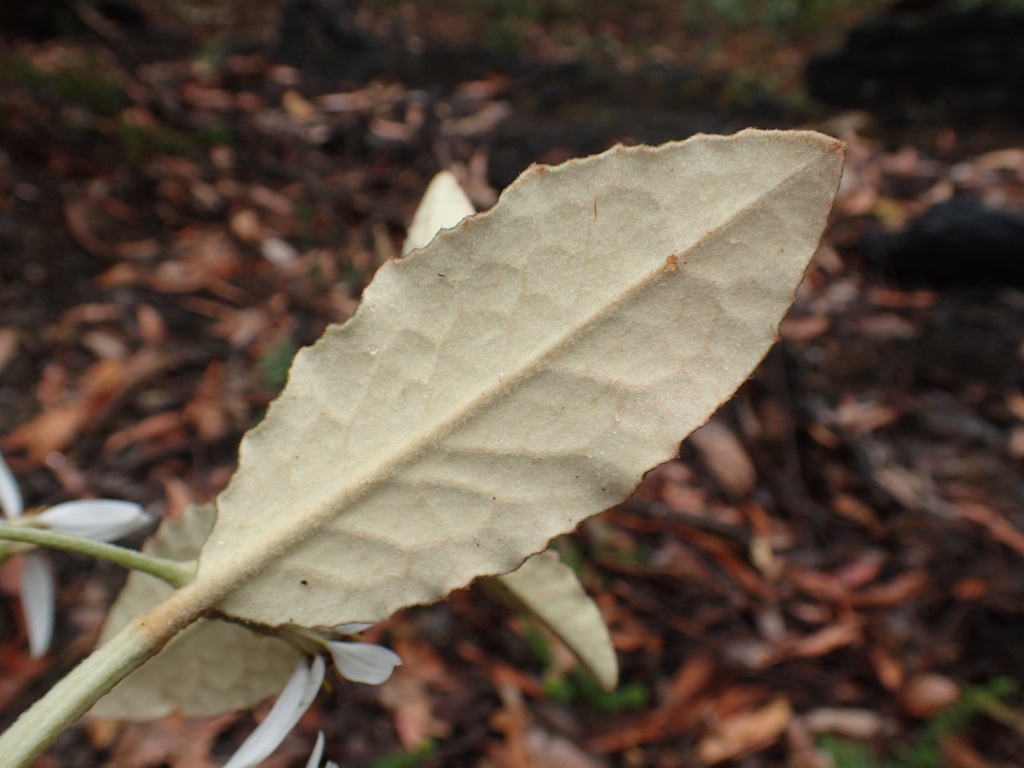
[{"x": 828, "y": 577}]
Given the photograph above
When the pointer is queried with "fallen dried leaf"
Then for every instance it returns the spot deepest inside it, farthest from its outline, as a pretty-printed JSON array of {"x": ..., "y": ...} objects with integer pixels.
[
  {"x": 552, "y": 751},
  {"x": 746, "y": 732},
  {"x": 998, "y": 527},
  {"x": 888, "y": 668},
  {"x": 854, "y": 723},
  {"x": 927, "y": 694},
  {"x": 676, "y": 714},
  {"x": 895, "y": 592},
  {"x": 726, "y": 457},
  {"x": 960, "y": 754},
  {"x": 9, "y": 341},
  {"x": 828, "y": 639}
]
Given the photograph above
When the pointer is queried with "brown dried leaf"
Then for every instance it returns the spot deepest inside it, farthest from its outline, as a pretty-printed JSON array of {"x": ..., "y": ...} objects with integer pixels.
[
  {"x": 726, "y": 457},
  {"x": 746, "y": 732},
  {"x": 927, "y": 694}
]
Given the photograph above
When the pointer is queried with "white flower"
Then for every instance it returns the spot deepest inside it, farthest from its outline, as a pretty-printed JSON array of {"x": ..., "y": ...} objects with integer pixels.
[
  {"x": 359, "y": 662},
  {"x": 10, "y": 497},
  {"x": 318, "y": 752},
  {"x": 38, "y": 601},
  {"x": 290, "y": 706},
  {"x": 97, "y": 519},
  {"x": 363, "y": 662}
]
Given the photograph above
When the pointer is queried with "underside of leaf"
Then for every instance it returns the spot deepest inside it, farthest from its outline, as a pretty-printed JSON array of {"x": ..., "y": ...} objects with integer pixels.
[
  {"x": 542, "y": 586},
  {"x": 518, "y": 375},
  {"x": 549, "y": 589},
  {"x": 210, "y": 668}
]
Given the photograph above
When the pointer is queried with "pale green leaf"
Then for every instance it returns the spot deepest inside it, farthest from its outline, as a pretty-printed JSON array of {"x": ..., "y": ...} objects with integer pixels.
[
  {"x": 549, "y": 589},
  {"x": 211, "y": 667},
  {"x": 518, "y": 375}
]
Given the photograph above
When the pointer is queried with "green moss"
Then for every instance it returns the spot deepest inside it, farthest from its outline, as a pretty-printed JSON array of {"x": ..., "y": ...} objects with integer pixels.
[
  {"x": 412, "y": 759},
  {"x": 537, "y": 642},
  {"x": 141, "y": 144},
  {"x": 925, "y": 751},
  {"x": 81, "y": 81},
  {"x": 276, "y": 363},
  {"x": 579, "y": 689}
]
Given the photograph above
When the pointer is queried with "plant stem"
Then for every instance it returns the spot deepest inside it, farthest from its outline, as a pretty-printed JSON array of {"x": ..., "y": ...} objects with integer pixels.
[
  {"x": 999, "y": 711},
  {"x": 173, "y": 572},
  {"x": 75, "y": 694}
]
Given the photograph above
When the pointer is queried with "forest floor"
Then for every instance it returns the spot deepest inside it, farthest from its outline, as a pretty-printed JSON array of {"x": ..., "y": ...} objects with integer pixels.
[{"x": 830, "y": 575}]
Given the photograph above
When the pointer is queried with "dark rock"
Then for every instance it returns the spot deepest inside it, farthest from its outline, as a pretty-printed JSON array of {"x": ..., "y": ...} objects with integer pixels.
[
  {"x": 934, "y": 58},
  {"x": 322, "y": 37},
  {"x": 47, "y": 19},
  {"x": 956, "y": 244}
]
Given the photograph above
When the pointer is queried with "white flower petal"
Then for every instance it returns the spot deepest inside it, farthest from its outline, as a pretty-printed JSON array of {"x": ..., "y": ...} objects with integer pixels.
[
  {"x": 291, "y": 705},
  {"x": 37, "y": 603},
  {"x": 363, "y": 662},
  {"x": 11, "y": 504},
  {"x": 96, "y": 519},
  {"x": 352, "y": 629},
  {"x": 318, "y": 752}
]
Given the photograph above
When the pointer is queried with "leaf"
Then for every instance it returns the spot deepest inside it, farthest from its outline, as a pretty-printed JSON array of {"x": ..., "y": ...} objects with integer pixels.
[
  {"x": 549, "y": 589},
  {"x": 443, "y": 206},
  {"x": 726, "y": 458},
  {"x": 518, "y": 375},
  {"x": 745, "y": 732},
  {"x": 210, "y": 668},
  {"x": 542, "y": 585}
]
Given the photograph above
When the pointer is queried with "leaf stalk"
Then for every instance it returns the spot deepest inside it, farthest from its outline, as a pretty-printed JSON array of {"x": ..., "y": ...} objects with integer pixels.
[
  {"x": 175, "y": 573},
  {"x": 74, "y": 695}
]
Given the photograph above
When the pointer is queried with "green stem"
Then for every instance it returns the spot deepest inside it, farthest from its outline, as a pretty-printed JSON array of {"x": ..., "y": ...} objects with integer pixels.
[
  {"x": 997, "y": 710},
  {"x": 173, "y": 572},
  {"x": 72, "y": 697}
]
